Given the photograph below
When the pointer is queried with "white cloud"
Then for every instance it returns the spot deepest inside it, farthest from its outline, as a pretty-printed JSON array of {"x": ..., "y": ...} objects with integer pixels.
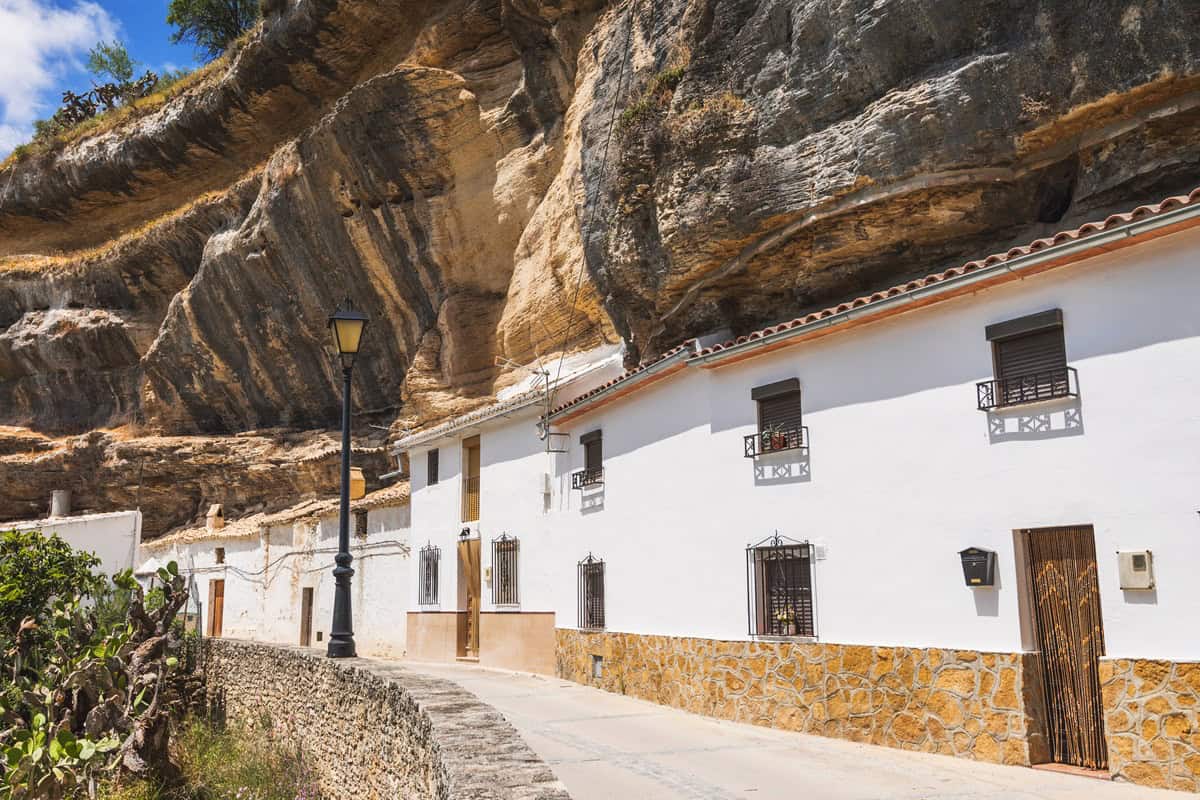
[{"x": 40, "y": 42}]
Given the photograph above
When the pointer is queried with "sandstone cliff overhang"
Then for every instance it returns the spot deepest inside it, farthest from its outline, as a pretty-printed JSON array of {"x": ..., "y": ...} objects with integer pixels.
[
  {"x": 1115, "y": 232},
  {"x": 511, "y": 402}
]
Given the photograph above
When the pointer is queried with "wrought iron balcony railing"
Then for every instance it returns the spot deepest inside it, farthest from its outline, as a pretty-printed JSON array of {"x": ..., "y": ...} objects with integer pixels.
[
  {"x": 1030, "y": 388},
  {"x": 587, "y": 477},
  {"x": 774, "y": 441}
]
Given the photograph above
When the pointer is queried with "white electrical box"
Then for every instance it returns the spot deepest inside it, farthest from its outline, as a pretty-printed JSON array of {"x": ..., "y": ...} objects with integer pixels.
[{"x": 1137, "y": 569}]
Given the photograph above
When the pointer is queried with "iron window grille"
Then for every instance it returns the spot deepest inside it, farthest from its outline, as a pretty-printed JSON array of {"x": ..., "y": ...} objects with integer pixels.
[
  {"x": 779, "y": 588},
  {"x": 505, "y": 550},
  {"x": 431, "y": 558},
  {"x": 591, "y": 593},
  {"x": 1030, "y": 359},
  {"x": 780, "y": 424},
  {"x": 431, "y": 467},
  {"x": 360, "y": 524}
]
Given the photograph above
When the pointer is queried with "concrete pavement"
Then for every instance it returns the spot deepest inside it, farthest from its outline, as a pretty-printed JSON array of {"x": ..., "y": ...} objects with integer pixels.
[{"x": 605, "y": 746}]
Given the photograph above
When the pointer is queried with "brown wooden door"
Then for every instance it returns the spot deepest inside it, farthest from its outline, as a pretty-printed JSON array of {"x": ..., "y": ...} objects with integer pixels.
[
  {"x": 1070, "y": 639},
  {"x": 468, "y": 559},
  {"x": 306, "y": 616},
  {"x": 216, "y": 606}
]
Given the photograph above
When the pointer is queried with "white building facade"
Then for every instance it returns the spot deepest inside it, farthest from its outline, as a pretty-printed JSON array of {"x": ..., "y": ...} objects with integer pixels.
[
  {"x": 958, "y": 516},
  {"x": 113, "y": 537},
  {"x": 269, "y": 577}
]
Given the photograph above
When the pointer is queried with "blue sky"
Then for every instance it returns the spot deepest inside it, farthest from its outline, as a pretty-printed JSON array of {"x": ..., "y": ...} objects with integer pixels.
[{"x": 44, "y": 44}]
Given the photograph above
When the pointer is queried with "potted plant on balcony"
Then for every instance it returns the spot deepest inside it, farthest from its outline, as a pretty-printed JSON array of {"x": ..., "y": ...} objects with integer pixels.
[
  {"x": 786, "y": 618},
  {"x": 772, "y": 438}
]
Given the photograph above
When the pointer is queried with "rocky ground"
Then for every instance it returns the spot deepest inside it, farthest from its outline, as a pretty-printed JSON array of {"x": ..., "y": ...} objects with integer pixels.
[{"x": 456, "y": 167}]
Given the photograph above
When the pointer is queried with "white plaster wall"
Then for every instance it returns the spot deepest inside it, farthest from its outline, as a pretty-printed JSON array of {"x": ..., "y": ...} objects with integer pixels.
[
  {"x": 113, "y": 538},
  {"x": 903, "y": 472},
  {"x": 512, "y": 463},
  {"x": 265, "y": 576}
]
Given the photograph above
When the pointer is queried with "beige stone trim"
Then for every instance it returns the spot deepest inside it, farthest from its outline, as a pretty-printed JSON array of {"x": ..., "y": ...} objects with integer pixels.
[
  {"x": 1152, "y": 721},
  {"x": 982, "y": 706}
]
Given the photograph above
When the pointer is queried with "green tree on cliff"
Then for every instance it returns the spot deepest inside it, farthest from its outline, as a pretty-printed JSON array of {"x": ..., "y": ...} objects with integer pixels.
[
  {"x": 211, "y": 25},
  {"x": 111, "y": 59}
]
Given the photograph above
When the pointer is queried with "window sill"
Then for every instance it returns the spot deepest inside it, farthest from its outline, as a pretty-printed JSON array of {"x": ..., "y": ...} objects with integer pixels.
[
  {"x": 506, "y": 607},
  {"x": 433, "y": 608},
  {"x": 764, "y": 637}
]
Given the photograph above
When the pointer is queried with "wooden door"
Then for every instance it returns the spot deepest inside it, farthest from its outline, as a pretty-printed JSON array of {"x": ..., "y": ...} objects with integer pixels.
[
  {"x": 1065, "y": 605},
  {"x": 216, "y": 606},
  {"x": 306, "y": 617},
  {"x": 468, "y": 559}
]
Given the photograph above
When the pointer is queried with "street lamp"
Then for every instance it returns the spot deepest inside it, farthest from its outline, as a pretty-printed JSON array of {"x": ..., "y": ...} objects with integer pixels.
[{"x": 346, "y": 324}]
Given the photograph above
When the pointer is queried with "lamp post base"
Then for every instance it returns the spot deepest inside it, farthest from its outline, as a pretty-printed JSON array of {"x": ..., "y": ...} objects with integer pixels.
[{"x": 341, "y": 649}]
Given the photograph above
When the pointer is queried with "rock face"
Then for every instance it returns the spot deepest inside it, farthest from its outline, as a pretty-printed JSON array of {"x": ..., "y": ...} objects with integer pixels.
[{"x": 502, "y": 179}]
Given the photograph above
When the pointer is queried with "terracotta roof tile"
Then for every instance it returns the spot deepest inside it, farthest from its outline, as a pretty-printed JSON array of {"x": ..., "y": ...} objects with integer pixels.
[
  {"x": 1084, "y": 230},
  {"x": 627, "y": 375}
]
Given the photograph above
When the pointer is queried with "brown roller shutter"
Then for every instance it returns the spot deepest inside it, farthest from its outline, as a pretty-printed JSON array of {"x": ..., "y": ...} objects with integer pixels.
[
  {"x": 1031, "y": 354},
  {"x": 1032, "y": 366},
  {"x": 781, "y": 412}
]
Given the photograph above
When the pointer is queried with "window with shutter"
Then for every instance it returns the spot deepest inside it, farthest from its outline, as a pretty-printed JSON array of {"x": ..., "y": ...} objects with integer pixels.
[
  {"x": 431, "y": 467},
  {"x": 593, "y": 461},
  {"x": 1030, "y": 357},
  {"x": 780, "y": 422},
  {"x": 781, "y": 412}
]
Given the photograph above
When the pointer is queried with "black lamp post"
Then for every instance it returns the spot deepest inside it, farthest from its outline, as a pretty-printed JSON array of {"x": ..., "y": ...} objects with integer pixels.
[{"x": 346, "y": 324}]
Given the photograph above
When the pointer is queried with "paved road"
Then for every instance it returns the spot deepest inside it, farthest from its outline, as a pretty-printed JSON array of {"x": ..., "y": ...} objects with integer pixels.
[{"x": 605, "y": 746}]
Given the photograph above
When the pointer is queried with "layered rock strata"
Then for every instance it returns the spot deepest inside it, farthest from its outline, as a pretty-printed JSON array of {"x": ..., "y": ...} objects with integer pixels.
[{"x": 495, "y": 181}]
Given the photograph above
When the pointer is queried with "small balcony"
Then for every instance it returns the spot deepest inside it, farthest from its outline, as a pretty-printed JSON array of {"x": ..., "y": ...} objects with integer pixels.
[
  {"x": 585, "y": 478},
  {"x": 775, "y": 440},
  {"x": 1033, "y": 387}
]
